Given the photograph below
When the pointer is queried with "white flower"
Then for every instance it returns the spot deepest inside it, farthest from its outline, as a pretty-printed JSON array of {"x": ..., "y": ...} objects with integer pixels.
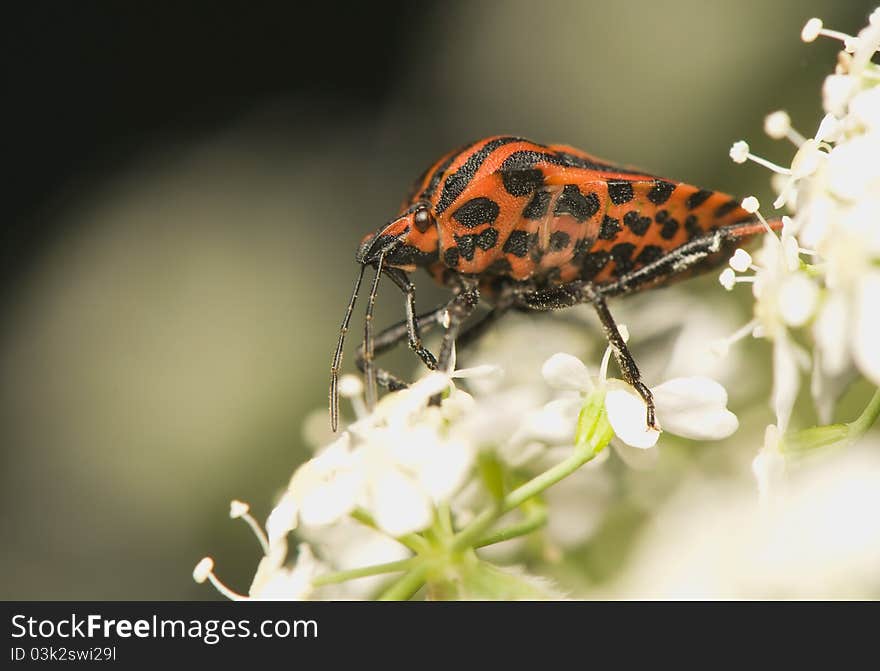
[
  {"x": 692, "y": 407},
  {"x": 394, "y": 463},
  {"x": 833, "y": 185},
  {"x": 274, "y": 581},
  {"x": 785, "y": 297}
]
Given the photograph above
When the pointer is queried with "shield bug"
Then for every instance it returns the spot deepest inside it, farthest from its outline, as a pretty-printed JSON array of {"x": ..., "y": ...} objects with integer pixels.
[{"x": 528, "y": 226}]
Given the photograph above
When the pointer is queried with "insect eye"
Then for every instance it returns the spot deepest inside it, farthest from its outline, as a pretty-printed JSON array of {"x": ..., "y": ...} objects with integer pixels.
[{"x": 422, "y": 219}]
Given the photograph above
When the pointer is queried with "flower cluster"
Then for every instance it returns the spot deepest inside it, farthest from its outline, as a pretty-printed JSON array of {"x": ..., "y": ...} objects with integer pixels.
[
  {"x": 419, "y": 483},
  {"x": 819, "y": 280}
]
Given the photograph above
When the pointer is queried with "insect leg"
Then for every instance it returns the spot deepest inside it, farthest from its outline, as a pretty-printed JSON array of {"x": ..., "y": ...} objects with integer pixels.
[
  {"x": 574, "y": 293},
  {"x": 457, "y": 311},
  {"x": 624, "y": 358},
  {"x": 401, "y": 279},
  {"x": 391, "y": 337},
  {"x": 503, "y": 302},
  {"x": 679, "y": 262}
]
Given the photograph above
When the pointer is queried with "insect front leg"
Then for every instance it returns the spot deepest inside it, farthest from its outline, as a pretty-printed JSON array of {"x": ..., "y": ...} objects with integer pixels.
[
  {"x": 391, "y": 337},
  {"x": 401, "y": 279},
  {"x": 574, "y": 293}
]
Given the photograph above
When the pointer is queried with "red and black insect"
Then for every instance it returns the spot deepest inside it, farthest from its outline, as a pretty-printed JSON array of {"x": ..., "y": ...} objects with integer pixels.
[{"x": 527, "y": 226}]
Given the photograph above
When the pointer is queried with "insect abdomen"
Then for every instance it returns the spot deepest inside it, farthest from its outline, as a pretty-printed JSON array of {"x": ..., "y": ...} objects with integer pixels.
[{"x": 513, "y": 208}]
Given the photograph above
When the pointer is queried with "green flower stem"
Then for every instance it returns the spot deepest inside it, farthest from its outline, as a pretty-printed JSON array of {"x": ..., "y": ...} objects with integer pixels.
[
  {"x": 468, "y": 536},
  {"x": 865, "y": 421},
  {"x": 534, "y": 520},
  {"x": 833, "y": 435},
  {"x": 589, "y": 444},
  {"x": 407, "y": 585},
  {"x": 412, "y": 541},
  {"x": 364, "y": 571}
]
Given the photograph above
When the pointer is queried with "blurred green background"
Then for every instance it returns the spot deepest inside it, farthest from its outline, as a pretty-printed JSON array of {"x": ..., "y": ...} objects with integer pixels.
[{"x": 189, "y": 188}]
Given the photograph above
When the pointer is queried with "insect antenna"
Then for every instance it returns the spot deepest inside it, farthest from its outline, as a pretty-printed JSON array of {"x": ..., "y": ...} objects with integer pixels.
[
  {"x": 369, "y": 368},
  {"x": 337, "y": 357}
]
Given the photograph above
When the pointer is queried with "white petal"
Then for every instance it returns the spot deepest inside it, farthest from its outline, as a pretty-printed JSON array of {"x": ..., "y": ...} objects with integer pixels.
[
  {"x": 564, "y": 371},
  {"x": 444, "y": 469},
  {"x": 398, "y": 505},
  {"x": 786, "y": 379},
  {"x": 484, "y": 370},
  {"x": 554, "y": 423},
  {"x": 865, "y": 108},
  {"x": 851, "y": 167},
  {"x": 287, "y": 584},
  {"x": 866, "y": 336},
  {"x": 830, "y": 332},
  {"x": 829, "y": 129},
  {"x": 695, "y": 408},
  {"x": 797, "y": 299},
  {"x": 326, "y": 488},
  {"x": 334, "y": 499},
  {"x": 627, "y": 416},
  {"x": 282, "y": 519},
  {"x": 835, "y": 93},
  {"x": 681, "y": 394}
]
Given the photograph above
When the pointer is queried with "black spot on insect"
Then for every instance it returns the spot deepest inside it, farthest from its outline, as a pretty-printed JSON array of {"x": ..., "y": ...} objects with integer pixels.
[
  {"x": 487, "y": 239},
  {"x": 692, "y": 227},
  {"x": 609, "y": 229},
  {"x": 559, "y": 241},
  {"x": 477, "y": 211},
  {"x": 537, "y": 206},
  {"x": 450, "y": 257},
  {"x": 593, "y": 264},
  {"x": 581, "y": 247},
  {"x": 554, "y": 275},
  {"x": 638, "y": 225},
  {"x": 649, "y": 254},
  {"x": 620, "y": 191},
  {"x": 661, "y": 216},
  {"x": 536, "y": 254},
  {"x": 522, "y": 182},
  {"x": 573, "y": 202},
  {"x": 518, "y": 243},
  {"x": 726, "y": 208},
  {"x": 670, "y": 228},
  {"x": 466, "y": 246},
  {"x": 696, "y": 199},
  {"x": 499, "y": 267},
  {"x": 660, "y": 192},
  {"x": 405, "y": 255},
  {"x": 622, "y": 255}
]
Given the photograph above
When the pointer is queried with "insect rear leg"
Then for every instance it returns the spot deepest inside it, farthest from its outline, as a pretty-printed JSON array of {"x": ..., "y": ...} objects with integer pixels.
[
  {"x": 473, "y": 332},
  {"x": 457, "y": 311},
  {"x": 680, "y": 262},
  {"x": 575, "y": 293}
]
